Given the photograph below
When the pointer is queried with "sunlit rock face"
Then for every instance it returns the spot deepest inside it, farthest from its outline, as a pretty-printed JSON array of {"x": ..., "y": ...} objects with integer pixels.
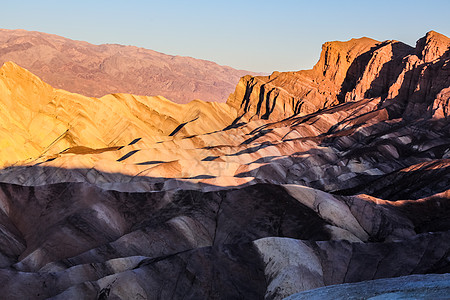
[
  {"x": 98, "y": 70},
  {"x": 38, "y": 119},
  {"x": 412, "y": 79},
  {"x": 262, "y": 197}
]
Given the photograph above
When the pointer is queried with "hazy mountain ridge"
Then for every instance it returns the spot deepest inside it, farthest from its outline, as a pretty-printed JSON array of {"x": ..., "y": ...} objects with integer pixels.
[{"x": 98, "y": 70}]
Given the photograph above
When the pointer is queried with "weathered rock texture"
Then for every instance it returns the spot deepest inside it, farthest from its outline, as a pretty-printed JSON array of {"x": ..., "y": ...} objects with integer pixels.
[
  {"x": 97, "y": 70},
  {"x": 152, "y": 200},
  {"x": 415, "y": 79},
  {"x": 37, "y": 119}
]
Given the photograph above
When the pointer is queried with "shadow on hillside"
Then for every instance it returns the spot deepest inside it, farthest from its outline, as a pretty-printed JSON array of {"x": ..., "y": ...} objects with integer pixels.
[
  {"x": 424, "y": 181},
  {"x": 389, "y": 72},
  {"x": 355, "y": 72},
  {"x": 78, "y": 228},
  {"x": 253, "y": 201},
  {"x": 371, "y": 146},
  {"x": 418, "y": 90},
  {"x": 39, "y": 174},
  {"x": 387, "y": 75},
  {"x": 240, "y": 214},
  {"x": 415, "y": 90}
]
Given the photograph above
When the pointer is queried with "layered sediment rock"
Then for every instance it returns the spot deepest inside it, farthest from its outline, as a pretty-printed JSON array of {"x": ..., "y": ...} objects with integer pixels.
[
  {"x": 410, "y": 78},
  {"x": 282, "y": 95},
  {"x": 77, "y": 240},
  {"x": 37, "y": 119},
  {"x": 246, "y": 200}
]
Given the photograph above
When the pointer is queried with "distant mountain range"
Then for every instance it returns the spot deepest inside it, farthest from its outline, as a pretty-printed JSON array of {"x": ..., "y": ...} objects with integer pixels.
[{"x": 97, "y": 70}]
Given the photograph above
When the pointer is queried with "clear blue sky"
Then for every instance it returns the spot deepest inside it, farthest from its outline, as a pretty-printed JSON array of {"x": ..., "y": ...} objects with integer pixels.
[{"x": 253, "y": 35}]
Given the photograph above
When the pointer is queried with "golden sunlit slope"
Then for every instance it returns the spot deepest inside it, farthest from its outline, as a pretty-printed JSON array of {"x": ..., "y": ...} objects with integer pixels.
[{"x": 35, "y": 118}]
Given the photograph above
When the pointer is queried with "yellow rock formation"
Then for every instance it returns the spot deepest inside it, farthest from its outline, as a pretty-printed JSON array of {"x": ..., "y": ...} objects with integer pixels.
[{"x": 36, "y": 119}]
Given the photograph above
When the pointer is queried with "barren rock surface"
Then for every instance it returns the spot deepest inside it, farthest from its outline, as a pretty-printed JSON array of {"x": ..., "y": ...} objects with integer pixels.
[
  {"x": 414, "y": 79},
  {"x": 133, "y": 197},
  {"x": 37, "y": 119}
]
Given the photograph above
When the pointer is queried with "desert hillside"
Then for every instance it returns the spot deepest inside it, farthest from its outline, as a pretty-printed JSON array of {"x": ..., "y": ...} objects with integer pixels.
[
  {"x": 38, "y": 120},
  {"x": 98, "y": 70},
  {"x": 323, "y": 178}
]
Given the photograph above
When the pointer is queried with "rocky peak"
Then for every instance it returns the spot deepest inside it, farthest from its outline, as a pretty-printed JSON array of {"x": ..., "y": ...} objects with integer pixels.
[
  {"x": 411, "y": 78},
  {"x": 373, "y": 72},
  {"x": 28, "y": 88},
  {"x": 336, "y": 58},
  {"x": 432, "y": 46},
  {"x": 10, "y": 68},
  {"x": 284, "y": 94}
]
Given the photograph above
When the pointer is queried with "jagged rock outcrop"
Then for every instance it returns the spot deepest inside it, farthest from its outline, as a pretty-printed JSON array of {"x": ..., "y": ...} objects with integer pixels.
[
  {"x": 432, "y": 46},
  {"x": 282, "y": 95},
  {"x": 410, "y": 79},
  {"x": 425, "y": 75},
  {"x": 98, "y": 70},
  {"x": 374, "y": 71}
]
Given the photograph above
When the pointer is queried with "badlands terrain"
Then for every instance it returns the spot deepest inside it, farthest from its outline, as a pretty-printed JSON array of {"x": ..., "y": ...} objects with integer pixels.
[{"x": 324, "y": 178}]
